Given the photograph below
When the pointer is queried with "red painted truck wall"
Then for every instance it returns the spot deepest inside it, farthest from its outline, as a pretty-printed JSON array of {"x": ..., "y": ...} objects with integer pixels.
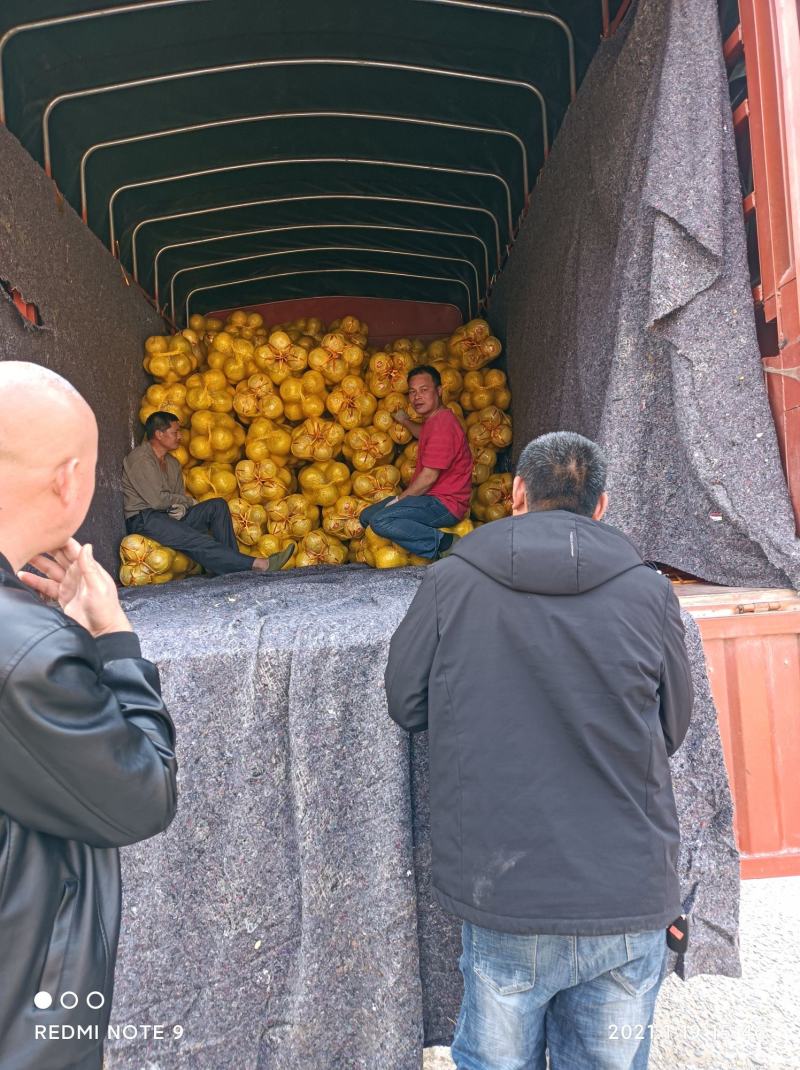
[{"x": 387, "y": 319}]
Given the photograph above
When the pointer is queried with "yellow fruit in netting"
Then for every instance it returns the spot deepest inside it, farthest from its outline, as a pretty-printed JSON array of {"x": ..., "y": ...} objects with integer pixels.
[
  {"x": 484, "y": 459},
  {"x": 383, "y": 553},
  {"x": 213, "y": 480},
  {"x": 381, "y": 482},
  {"x": 474, "y": 345},
  {"x": 256, "y": 396},
  {"x": 323, "y": 483},
  {"x": 272, "y": 544},
  {"x": 163, "y": 397},
  {"x": 458, "y": 412},
  {"x": 366, "y": 447},
  {"x": 482, "y": 389},
  {"x": 209, "y": 390},
  {"x": 388, "y": 373},
  {"x": 237, "y": 365},
  {"x": 357, "y": 553},
  {"x": 437, "y": 350},
  {"x": 318, "y": 440},
  {"x": 280, "y": 357},
  {"x": 249, "y": 521},
  {"x": 351, "y": 403},
  {"x": 452, "y": 380},
  {"x": 169, "y": 357},
  {"x": 238, "y": 318},
  {"x": 401, "y": 345},
  {"x": 407, "y": 463},
  {"x": 262, "y": 481},
  {"x": 462, "y": 528},
  {"x": 197, "y": 343},
  {"x": 304, "y": 397},
  {"x": 384, "y": 417},
  {"x": 266, "y": 439},
  {"x": 311, "y": 326},
  {"x": 489, "y": 427},
  {"x": 292, "y": 517},
  {"x": 335, "y": 358},
  {"x": 341, "y": 518},
  {"x": 144, "y": 561},
  {"x": 182, "y": 565},
  {"x": 354, "y": 331},
  {"x": 216, "y": 436},
  {"x": 320, "y": 548},
  {"x": 492, "y": 500}
]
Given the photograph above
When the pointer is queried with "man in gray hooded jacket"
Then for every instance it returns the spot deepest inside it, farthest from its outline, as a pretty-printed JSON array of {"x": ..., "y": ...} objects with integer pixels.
[{"x": 547, "y": 662}]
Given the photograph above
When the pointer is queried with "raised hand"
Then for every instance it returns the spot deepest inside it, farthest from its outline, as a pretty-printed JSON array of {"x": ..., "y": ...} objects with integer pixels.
[{"x": 81, "y": 586}]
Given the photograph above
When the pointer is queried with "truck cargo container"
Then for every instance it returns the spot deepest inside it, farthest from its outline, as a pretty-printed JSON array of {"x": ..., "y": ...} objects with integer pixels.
[{"x": 562, "y": 167}]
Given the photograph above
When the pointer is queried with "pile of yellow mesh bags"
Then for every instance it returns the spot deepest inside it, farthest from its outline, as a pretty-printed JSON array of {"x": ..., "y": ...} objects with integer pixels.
[{"x": 293, "y": 425}]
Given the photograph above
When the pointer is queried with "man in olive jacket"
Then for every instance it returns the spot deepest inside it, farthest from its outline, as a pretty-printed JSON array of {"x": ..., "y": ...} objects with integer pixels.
[
  {"x": 87, "y": 759},
  {"x": 547, "y": 662}
]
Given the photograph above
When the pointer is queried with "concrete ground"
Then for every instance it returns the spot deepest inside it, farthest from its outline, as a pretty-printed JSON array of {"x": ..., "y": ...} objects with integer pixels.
[{"x": 722, "y": 1023}]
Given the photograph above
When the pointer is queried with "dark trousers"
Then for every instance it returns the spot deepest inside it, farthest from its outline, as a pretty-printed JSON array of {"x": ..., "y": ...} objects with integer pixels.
[
  {"x": 412, "y": 523},
  {"x": 217, "y": 552}
]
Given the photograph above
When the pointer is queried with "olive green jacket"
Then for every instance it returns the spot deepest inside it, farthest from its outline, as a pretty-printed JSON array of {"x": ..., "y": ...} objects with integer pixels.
[{"x": 146, "y": 484}]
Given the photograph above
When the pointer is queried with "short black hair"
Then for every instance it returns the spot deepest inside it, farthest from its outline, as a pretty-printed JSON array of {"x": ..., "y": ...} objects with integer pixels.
[
  {"x": 159, "y": 421},
  {"x": 563, "y": 470},
  {"x": 426, "y": 369}
]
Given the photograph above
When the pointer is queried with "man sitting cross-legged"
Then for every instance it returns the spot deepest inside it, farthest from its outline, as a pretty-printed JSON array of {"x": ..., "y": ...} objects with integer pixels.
[
  {"x": 439, "y": 494},
  {"x": 157, "y": 505}
]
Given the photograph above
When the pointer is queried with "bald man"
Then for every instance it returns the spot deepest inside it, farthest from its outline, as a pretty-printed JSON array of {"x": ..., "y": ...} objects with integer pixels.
[{"x": 87, "y": 760}]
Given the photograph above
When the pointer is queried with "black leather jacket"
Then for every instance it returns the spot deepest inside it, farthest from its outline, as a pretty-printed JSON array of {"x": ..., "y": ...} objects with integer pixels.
[{"x": 87, "y": 765}]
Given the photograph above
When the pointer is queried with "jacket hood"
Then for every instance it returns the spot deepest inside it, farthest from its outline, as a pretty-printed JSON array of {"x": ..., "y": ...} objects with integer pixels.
[{"x": 552, "y": 552}]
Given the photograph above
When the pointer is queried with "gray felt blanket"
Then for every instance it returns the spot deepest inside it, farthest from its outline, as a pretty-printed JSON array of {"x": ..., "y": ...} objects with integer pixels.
[
  {"x": 626, "y": 309},
  {"x": 285, "y": 920}
]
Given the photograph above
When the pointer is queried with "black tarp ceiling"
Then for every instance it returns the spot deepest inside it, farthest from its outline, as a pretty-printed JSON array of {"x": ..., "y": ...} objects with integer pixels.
[{"x": 277, "y": 150}]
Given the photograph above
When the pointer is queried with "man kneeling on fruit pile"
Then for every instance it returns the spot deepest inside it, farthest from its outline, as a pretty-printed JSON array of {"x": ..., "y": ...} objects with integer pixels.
[
  {"x": 157, "y": 505},
  {"x": 439, "y": 494}
]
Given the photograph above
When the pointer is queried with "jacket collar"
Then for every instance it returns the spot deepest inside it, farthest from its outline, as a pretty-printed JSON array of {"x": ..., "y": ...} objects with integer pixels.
[{"x": 8, "y": 577}]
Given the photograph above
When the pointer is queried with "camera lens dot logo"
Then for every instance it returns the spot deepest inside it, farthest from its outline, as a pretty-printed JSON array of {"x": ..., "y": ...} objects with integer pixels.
[{"x": 43, "y": 1000}]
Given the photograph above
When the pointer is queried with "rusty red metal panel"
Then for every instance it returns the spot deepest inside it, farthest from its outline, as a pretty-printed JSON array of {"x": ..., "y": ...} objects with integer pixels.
[
  {"x": 387, "y": 319},
  {"x": 752, "y": 646},
  {"x": 770, "y": 41}
]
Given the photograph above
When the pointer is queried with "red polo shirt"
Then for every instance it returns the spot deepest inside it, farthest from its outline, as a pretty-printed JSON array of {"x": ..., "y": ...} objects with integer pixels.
[{"x": 443, "y": 445}]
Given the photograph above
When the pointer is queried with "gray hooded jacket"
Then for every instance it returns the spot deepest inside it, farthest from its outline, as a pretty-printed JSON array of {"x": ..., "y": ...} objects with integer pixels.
[{"x": 548, "y": 663}]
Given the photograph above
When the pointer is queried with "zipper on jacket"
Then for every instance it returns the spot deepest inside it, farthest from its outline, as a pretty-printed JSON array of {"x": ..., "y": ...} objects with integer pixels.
[{"x": 59, "y": 940}]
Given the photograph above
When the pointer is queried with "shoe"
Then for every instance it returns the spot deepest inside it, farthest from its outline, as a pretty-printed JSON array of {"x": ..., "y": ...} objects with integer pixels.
[
  {"x": 277, "y": 561},
  {"x": 454, "y": 541}
]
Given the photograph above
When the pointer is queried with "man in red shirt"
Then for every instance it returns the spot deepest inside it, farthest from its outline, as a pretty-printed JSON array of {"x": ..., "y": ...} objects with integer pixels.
[{"x": 439, "y": 494}]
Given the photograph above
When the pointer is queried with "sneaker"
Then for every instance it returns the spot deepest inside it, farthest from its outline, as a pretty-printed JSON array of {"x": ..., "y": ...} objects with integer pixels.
[
  {"x": 277, "y": 561},
  {"x": 454, "y": 541}
]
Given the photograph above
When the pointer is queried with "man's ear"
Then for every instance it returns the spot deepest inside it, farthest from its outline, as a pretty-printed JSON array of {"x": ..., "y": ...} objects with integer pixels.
[
  {"x": 519, "y": 497},
  {"x": 65, "y": 483},
  {"x": 600, "y": 508}
]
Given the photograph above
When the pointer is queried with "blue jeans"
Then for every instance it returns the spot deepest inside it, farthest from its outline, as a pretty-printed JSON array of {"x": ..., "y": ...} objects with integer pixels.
[
  {"x": 587, "y": 1000},
  {"x": 412, "y": 523}
]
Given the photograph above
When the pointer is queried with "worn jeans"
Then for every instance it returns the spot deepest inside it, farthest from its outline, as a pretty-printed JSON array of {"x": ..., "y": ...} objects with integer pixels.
[
  {"x": 412, "y": 523},
  {"x": 586, "y": 1000},
  {"x": 218, "y": 552}
]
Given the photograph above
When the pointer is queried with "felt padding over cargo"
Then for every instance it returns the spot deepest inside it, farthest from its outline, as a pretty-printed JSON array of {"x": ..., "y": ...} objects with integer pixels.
[
  {"x": 286, "y": 920},
  {"x": 626, "y": 309}
]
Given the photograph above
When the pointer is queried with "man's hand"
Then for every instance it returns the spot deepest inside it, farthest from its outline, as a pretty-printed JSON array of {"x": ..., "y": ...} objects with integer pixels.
[
  {"x": 177, "y": 511},
  {"x": 401, "y": 417},
  {"x": 82, "y": 588}
]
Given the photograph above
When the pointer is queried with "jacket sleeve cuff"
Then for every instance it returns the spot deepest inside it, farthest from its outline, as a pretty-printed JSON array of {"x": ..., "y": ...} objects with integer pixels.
[{"x": 117, "y": 645}]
